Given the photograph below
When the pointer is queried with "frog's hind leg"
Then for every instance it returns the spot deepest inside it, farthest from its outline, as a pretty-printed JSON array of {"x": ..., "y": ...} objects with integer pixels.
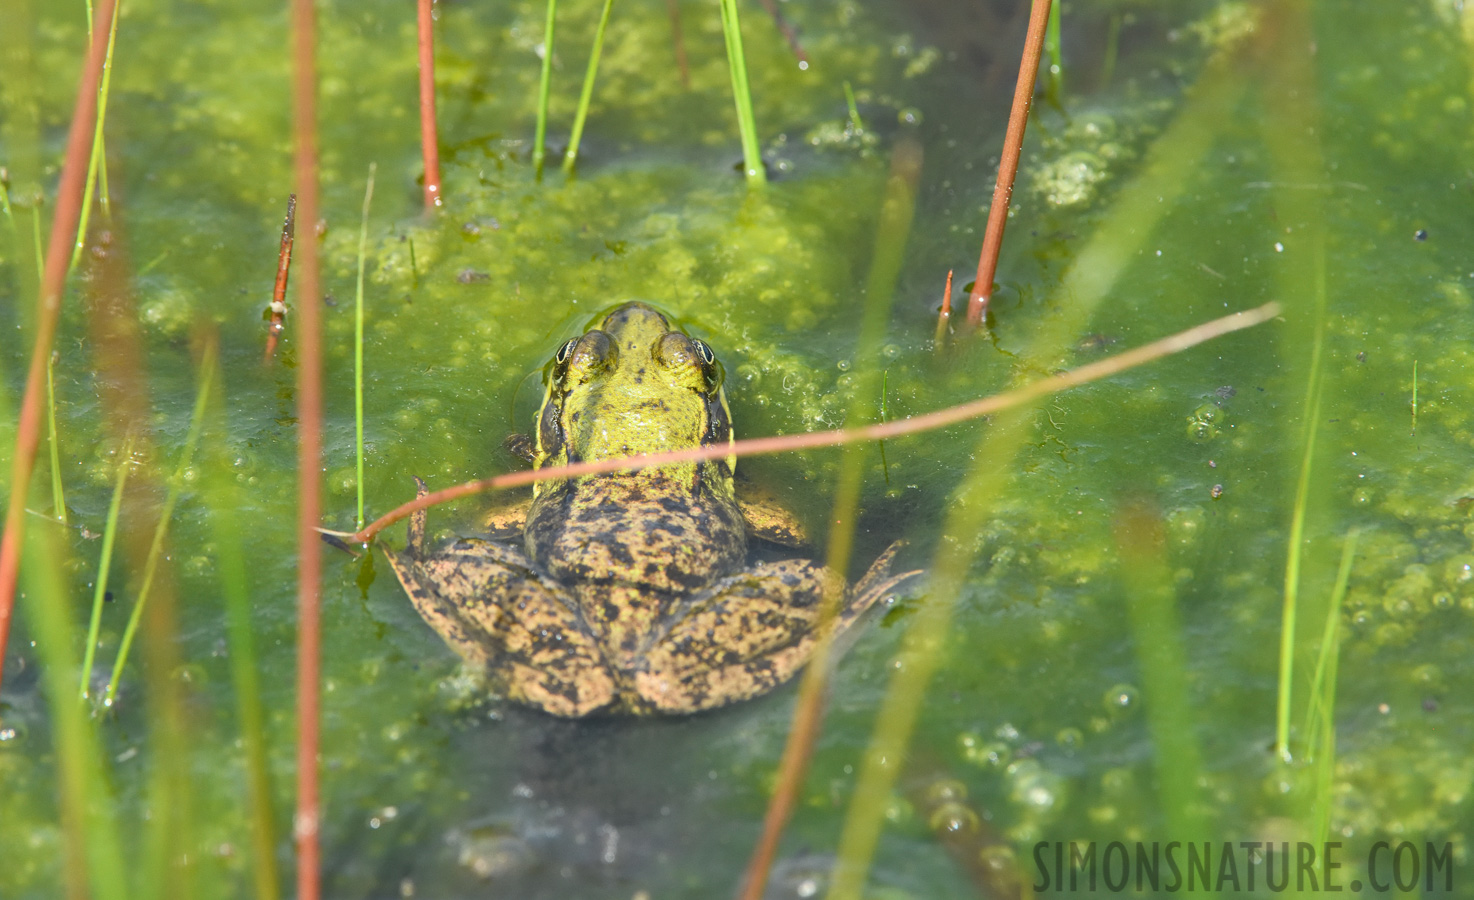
[
  {"x": 749, "y": 633},
  {"x": 503, "y": 615}
]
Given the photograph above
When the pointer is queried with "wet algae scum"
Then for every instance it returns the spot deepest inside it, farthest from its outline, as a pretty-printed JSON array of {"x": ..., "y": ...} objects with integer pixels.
[{"x": 1103, "y": 631}]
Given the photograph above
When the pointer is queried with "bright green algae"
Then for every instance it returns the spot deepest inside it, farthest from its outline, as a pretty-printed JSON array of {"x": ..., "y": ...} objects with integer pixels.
[{"x": 1038, "y": 710}]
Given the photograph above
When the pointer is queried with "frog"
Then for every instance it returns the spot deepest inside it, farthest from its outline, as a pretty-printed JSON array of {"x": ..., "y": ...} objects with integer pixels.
[{"x": 633, "y": 591}]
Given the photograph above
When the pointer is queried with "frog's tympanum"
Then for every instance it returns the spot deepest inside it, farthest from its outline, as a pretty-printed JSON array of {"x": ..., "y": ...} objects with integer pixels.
[{"x": 632, "y": 591}]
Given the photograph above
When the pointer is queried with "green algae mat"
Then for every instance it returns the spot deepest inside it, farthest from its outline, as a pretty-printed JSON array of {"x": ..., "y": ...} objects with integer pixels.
[{"x": 1114, "y": 697}]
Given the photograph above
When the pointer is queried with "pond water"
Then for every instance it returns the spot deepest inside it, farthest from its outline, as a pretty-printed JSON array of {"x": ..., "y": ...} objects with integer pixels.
[{"x": 1113, "y": 559}]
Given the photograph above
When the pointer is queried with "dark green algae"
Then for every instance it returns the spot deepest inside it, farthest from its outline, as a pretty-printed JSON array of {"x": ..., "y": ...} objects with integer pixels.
[{"x": 1038, "y": 711}]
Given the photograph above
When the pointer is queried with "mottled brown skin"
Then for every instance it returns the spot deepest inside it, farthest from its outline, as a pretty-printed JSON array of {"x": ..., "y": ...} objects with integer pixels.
[{"x": 631, "y": 591}]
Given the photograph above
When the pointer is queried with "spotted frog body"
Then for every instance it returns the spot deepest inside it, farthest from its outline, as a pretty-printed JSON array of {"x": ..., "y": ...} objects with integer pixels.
[{"x": 632, "y": 591}]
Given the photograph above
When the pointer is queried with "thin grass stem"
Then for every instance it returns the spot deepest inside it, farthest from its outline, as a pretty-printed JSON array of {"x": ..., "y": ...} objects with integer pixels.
[
  {"x": 544, "y": 88},
  {"x": 97, "y": 163},
  {"x": 235, "y": 583},
  {"x": 1156, "y": 635},
  {"x": 788, "y": 443},
  {"x": 1119, "y": 237},
  {"x": 1415, "y": 397},
  {"x": 368, "y": 197},
  {"x": 1329, "y": 648},
  {"x": 570, "y": 156},
  {"x": 1112, "y": 50},
  {"x": 898, "y": 207},
  {"x": 752, "y": 158},
  {"x": 166, "y": 515},
  {"x": 1321, "y": 720},
  {"x": 53, "y": 278},
  {"x": 58, "y": 497},
  {"x": 93, "y": 859},
  {"x": 1013, "y": 143},
  {"x": 36, "y": 241},
  {"x": 849, "y": 101},
  {"x": 104, "y": 566},
  {"x": 673, "y": 7},
  {"x": 1055, "y": 81},
  {"x": 1289, "y": 94}
]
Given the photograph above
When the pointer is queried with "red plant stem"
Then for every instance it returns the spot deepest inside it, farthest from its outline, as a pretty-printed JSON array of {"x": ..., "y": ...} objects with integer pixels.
[
  {"x": 309, "y": 455},
  {"x": 788, "y": 442},
  {"x": 944, "y": 318},
  {"x": 283, "y": 267},
  {"x": 429, "y": 139},
  {"x": 675, "y": 30},
  {"x": 1013, "y": 142},
  {"x": 789, "y": 34},
  {"x": 808, "y": 715},
  {"x": 53, "y": 279}
]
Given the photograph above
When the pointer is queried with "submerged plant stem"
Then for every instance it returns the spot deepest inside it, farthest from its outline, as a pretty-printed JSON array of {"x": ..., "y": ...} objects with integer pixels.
[
  {"x": 63, "y": 228},
  {"x": 677, "y": 38},
  {"x": 104, "y": 565},
  {"x": 368, "y": 197},
  {"x": 570, "y": 157},
  {"x": 752, "y": 157},
  {"x": 166, "y": 515},
  {"x": 58, "y": 498}
]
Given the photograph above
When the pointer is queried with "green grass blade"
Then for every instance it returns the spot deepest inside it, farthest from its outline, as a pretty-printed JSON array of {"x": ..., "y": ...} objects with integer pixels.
[
  {"x": 1156, "y": 637},
  {"x": 36, "y": 241},
  {"x": 849, "y": 100},
  {"x": 1116, "y": 242},
  {"x": 368, "y": 197},
  {"x": 570, "y": 157},
  {"x": 235, "y": 587},
  {"x": 58, "y": 497},
  {"x": 752, "y": 158},
  {"x": 1055, "y": 83},
  {"x": 207, "y": 374},
  {"x": 539, "y": 142},
  {"x": 93, "y": 855},
  {"x": 1321, "y": 718},
  {"x": 1322, "y": 686},
  {"x": 104, "y": 565},
  {"x": 98, "y": 161}
]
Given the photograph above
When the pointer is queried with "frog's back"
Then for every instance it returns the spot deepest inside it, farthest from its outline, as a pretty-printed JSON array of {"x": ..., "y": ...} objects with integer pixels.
[{"x": 641, "y": 529}]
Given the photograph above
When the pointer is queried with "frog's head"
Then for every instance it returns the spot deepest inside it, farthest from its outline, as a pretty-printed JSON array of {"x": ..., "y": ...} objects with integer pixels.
[{"x": 631, "y": 385}]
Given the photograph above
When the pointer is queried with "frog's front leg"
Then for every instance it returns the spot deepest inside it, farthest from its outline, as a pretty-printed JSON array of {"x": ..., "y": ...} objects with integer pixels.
[
  {"x": 751, "y": 632},
  {"x": 506, "y": 617}
]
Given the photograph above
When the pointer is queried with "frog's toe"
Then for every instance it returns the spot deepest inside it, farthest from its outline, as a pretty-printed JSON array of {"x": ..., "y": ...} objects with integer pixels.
[
  {"x": 491, "y": 604},
  {"x": 741, "y": 638}
]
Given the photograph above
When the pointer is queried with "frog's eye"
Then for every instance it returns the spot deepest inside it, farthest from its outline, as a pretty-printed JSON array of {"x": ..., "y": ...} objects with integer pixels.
[
  {"x": 589, "y": 355},
  {"x": 690, "y": 363},
  {"x": 564, "y": 350}
]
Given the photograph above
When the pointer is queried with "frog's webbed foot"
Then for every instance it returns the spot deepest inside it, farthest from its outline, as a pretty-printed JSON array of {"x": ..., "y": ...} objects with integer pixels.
[
  {"x": 878, "y": 581},
  {"x": 751, "y": 632},
  {"x": 502, "y": 615},
  {"x": 766, "y": 518}
]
